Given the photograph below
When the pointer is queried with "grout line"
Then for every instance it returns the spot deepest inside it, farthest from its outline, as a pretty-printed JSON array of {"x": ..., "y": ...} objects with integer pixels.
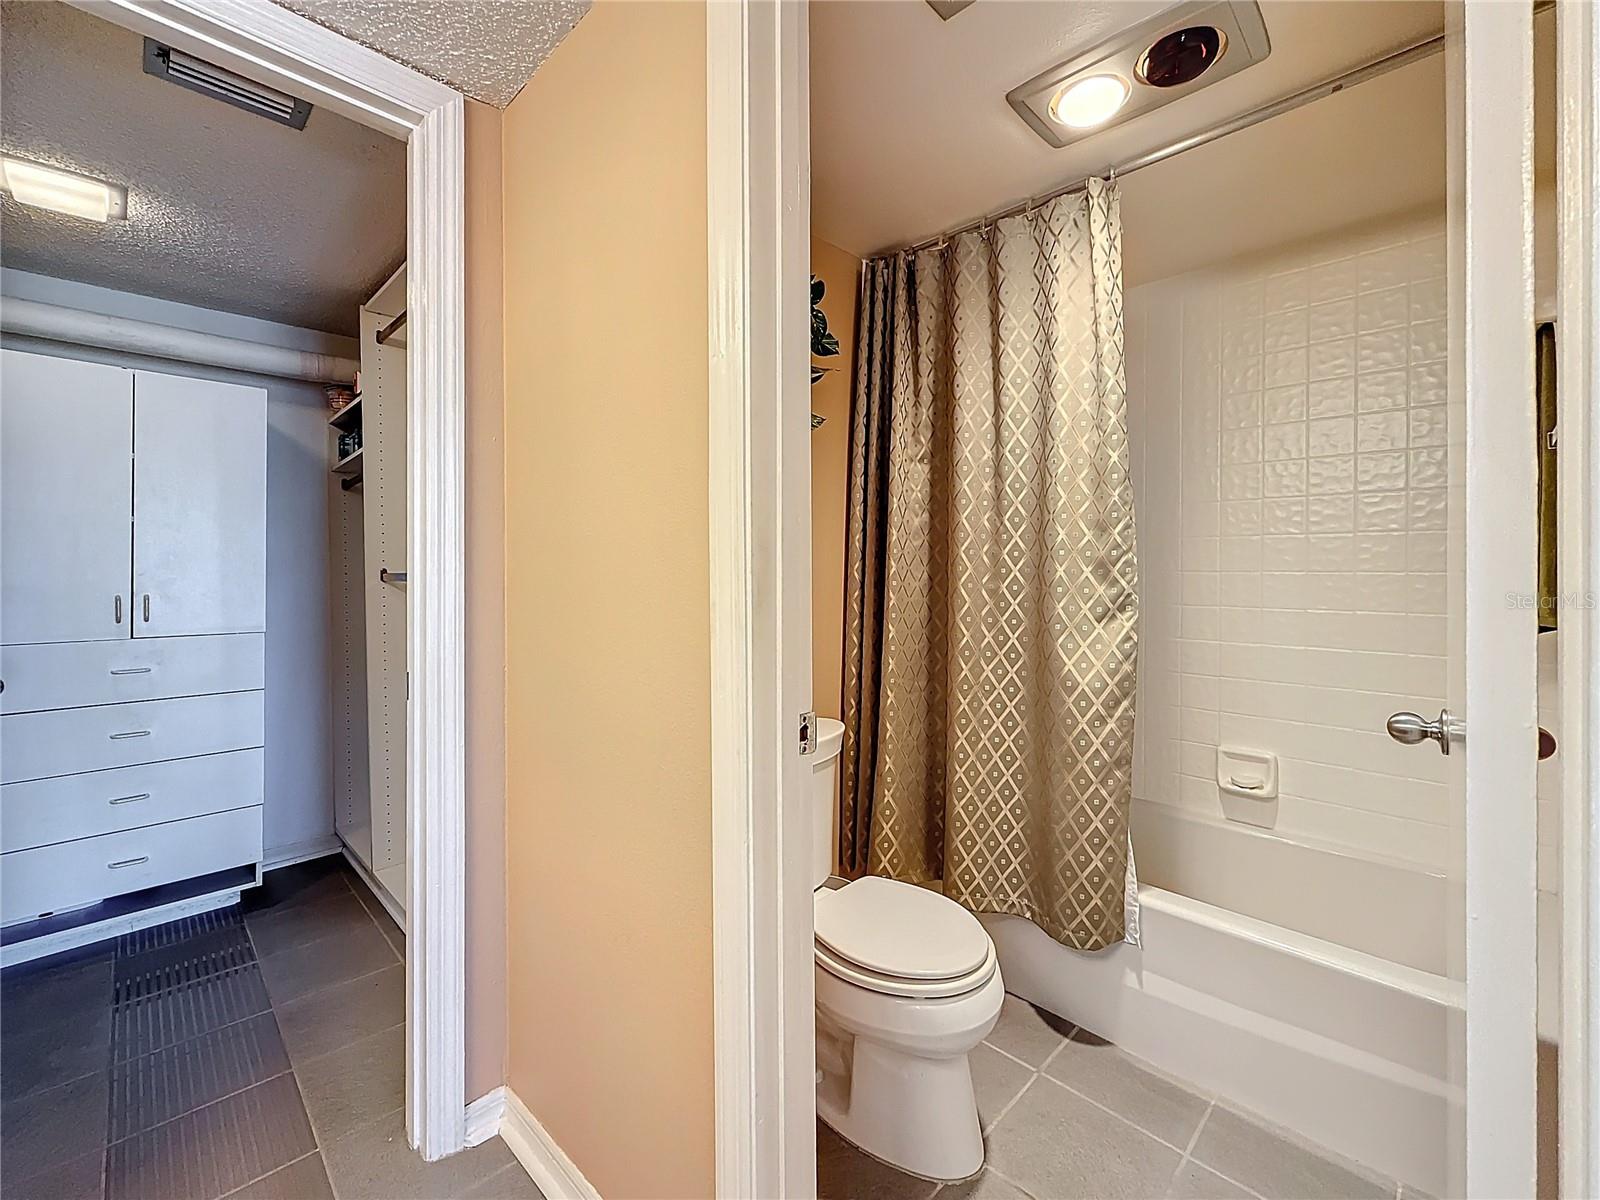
[
  {"x": 197, "y": 1108},
  {"x": 1022, "y": 1062},
  {"x": 1113, "y": 1112},
  {"x": 328, "y": 987},
  {"x": 1009, "y": 1105},
  {"x": 274, "y": 1171},
  {"x": 372, "y": 914},
  {"x": 355, "y": 1129}
]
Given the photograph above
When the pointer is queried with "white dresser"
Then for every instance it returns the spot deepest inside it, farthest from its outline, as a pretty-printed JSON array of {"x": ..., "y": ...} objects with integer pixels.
[{"x": 132, "y": 632}]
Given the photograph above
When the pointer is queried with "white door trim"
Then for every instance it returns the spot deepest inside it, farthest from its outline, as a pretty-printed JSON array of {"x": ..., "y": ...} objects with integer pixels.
[
  {"x": 1501, "y": 541},
  {"x": 277, "y": 47},
  {"x": 758, "y": 209},
  {"x": 1578, "y": 386}
]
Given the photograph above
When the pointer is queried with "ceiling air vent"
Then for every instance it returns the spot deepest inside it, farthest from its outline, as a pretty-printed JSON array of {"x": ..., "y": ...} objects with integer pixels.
[{"x": 196, "y": 74}]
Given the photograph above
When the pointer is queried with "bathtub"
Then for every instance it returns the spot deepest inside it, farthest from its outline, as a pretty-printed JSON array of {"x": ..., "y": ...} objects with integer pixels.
[{"x": 1340, "y": 1029}]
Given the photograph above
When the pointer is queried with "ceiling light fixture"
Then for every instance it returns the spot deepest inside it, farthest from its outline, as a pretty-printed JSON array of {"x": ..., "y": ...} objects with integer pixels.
[
  {"x": 1088, "y": 102},
  {"x": 60, "y": 191}
]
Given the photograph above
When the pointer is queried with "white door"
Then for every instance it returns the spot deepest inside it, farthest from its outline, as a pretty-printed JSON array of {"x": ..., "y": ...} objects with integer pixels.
[
  {"x": 1493, "y": 505},
  {"x": 66, "y": 497},
  {"x": 199, "y": 506}
]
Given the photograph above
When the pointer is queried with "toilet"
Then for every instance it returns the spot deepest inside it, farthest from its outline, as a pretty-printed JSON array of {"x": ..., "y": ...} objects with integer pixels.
[{"x": 907, "y": 985}]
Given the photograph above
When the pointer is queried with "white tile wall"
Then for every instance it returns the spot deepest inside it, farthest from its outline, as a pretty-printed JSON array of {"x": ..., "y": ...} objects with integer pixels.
[{"x": 1291, "y": 459}]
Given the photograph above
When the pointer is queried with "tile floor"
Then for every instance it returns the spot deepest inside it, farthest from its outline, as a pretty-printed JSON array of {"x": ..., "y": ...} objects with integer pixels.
[
  {"x": 1067, "y": 1115},
  {"x": 254, "y": 1052}
]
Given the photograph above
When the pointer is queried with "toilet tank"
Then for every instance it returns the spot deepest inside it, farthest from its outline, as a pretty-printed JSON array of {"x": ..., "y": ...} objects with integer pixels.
[{"x": 825, "y": 798}]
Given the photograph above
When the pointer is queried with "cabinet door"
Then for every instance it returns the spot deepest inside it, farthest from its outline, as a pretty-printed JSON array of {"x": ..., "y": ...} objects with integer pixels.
[
  {"x": 199, "y": 506},
  {"x": 66, "y": 497}
]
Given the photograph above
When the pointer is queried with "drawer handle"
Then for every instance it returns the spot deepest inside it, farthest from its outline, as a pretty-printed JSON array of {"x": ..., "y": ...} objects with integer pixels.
[
  {"x": 128, "y": 862},
  {"x": 130, "y": 799},
  {"x": 133, "y": 733},
  {"x": 130, "y": 670}
]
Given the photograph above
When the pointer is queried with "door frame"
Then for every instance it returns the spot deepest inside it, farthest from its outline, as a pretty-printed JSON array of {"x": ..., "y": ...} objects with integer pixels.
[
  {"x": 277, "y": 47},
  {"x": 758, "y": 191},
  {"x": 1578, "y": 389}
]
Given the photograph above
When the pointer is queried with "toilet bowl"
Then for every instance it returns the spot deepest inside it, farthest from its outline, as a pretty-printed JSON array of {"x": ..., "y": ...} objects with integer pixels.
[{"x": 907, "y": 984}]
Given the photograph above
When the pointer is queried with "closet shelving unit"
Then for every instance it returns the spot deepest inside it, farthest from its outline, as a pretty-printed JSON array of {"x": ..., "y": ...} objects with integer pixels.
[{"x": 347, "y": 420}]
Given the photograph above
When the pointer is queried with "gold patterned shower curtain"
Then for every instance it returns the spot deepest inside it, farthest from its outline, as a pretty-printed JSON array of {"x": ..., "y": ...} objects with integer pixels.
[{"x": 991, "y": 613}]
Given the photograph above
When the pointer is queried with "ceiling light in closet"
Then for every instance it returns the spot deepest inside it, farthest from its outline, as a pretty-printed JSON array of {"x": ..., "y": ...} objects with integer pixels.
[
  {"x": 1091, "y": 101},
  {"x": 60, "y": 191},
  {"x": 1181, "y": 50}
]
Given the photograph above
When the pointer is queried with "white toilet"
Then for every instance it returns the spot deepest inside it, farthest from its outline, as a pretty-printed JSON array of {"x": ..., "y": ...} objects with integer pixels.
[{"x": 907, "y": 984}]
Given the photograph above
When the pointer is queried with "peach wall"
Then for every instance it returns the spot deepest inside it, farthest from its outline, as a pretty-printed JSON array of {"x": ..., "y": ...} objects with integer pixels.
[
  {"x": 830, "y": 454},
  {"x": 608, "y": 763},
  {"x": 485, "y": 590}
]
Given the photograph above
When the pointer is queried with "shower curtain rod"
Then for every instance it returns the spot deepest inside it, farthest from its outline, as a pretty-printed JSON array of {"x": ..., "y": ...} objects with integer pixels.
[{"x": 1276, "y": 108}]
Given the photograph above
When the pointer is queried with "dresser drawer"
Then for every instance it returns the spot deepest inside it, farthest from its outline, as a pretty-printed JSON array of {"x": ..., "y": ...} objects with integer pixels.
[
  {"x": 70, "y": 740},
  {"x": 79, "y": 674},
  {"x": 72, "y": 874},
  {"x": 68, "y": 807}
]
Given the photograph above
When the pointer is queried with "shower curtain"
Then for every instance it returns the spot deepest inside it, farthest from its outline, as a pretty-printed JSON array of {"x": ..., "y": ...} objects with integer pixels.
[{"x": 990, "y": 614}]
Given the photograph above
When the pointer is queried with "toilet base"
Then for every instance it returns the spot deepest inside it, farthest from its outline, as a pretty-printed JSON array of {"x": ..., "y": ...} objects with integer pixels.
[{"x": 915, "y": 1113}]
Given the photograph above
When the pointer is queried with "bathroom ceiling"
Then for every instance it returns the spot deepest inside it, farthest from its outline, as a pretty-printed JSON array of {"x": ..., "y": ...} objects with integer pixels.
[
  {"x": 226, "y": 210},
  {"x": 485, "y": 49},
  {"x": 911, "y": 133}
]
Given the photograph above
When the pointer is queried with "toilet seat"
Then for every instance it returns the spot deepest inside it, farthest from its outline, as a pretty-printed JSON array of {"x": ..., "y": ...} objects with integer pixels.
[{"x": 901, "y": 940}]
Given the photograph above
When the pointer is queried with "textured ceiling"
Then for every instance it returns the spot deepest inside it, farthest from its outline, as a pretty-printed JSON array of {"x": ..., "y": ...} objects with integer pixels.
[
  {"x": 225, "y": 209},
  {"x": 911, "y": 133},
  {"x": 485, "y": 49}
]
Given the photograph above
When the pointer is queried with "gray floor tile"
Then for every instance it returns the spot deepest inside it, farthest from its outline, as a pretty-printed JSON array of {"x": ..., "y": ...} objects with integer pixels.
[
  {"x": 53, "y": 1127},
  {"x": 1028, "y": 1033},
  {"x": 275, "y": 930},
  {"x": 321, "y": 964},
  {"x": 169, "y": 1017},
  {"x": 304, "y": 1179},
  {"x": 509, "y": 1183},
  {"x": 334, "y": 1017},
  {"x": 1195, "y": 1182},
  {"x": 380, "y": 915},
  {"x": 1407, "y": 1192},
  {"x": 298, "y": 884},
  {"x": 52, "y": 990},
  {"x": 148, "y": 1091},
  {"x": 986, "y": 1185},
  {"x": 375, "y": 1163},
  {"x": 35, "y": 1055},
  {"x": 214, "y": 1150},
  {"x": 82, "y": 1178},
  {"x": 1274, "y": 1166},
  {"x": 847, "y": 1173},
  {"x": 1100, "y": 1071},
  {"x": 1053, "y": 1143},
  {"x": 997, "y": 1080},
  {"x": 356, "y": 1085},
  {"x": 180, "y": 953}
]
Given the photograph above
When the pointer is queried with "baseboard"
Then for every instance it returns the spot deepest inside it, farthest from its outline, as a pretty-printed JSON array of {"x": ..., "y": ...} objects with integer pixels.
[
  {"x": 485, "y": 1115},
  {"x": 502, "y": 1112},
  {"x": 299, "y": 852}
]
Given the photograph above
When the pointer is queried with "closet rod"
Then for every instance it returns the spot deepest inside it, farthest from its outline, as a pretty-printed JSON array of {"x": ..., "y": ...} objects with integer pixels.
[
  {"x": 1276, "y": 108},
  {"x": 388, "y": 331}
]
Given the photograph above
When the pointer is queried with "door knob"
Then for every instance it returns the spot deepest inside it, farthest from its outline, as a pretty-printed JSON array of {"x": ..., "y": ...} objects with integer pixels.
[{"x": 1409, "y": 729}]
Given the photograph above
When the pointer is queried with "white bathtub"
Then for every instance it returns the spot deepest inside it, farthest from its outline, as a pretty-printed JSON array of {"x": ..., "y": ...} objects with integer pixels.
[{"x": 1341, "y": 1033}]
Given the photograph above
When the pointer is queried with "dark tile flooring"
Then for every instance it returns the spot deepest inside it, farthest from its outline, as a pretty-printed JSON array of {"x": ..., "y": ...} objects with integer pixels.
[{"x": 251, "y": 1052}]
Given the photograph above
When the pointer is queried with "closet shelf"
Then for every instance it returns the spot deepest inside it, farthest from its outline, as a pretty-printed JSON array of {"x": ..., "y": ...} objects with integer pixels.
[
  {"x": 350, "y": 464},
  {"x": 347, "y": 416}
]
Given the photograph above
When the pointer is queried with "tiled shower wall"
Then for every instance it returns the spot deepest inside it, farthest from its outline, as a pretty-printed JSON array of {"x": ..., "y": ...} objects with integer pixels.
[{"x": 1290, "y": 466}]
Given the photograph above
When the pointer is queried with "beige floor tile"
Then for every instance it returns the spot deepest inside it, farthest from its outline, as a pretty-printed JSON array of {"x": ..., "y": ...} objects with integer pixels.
[
  {"x": 1274, "y": 1166},
  {"x": 1195, "y": 1182},
  {"x": 1028, "y": 1033},
  {"x": 1056, "y": 1145},
  {"x": 511, "y": 1183},
  {"x": 997, "y": 1080},
  {"x": 1103, "y": 1073},
  {"x": 356, "y": 1085}
]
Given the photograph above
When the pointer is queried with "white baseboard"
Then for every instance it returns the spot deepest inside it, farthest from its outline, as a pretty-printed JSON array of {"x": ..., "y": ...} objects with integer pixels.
[
  {"x": 502, "y": 1112},
  {"x": 299, "y": 852},
  {"x": 485, "y": 1115}
]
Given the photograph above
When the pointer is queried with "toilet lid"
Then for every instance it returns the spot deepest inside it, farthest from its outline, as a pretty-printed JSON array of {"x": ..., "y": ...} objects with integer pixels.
[{"x": 899, "y": 929}]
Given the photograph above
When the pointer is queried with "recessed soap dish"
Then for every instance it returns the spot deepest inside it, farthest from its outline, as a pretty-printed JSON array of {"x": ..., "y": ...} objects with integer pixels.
[{"x": 1252, "y": 774}]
